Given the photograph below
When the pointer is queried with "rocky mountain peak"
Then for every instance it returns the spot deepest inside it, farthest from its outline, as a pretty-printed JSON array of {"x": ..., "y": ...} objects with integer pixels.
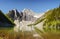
[
  {"x": 28, "y": 11},
  {"x": 25, "y": 10},
  {"x": 23, "y": 18},
  {"x": 14, "y": 14}
]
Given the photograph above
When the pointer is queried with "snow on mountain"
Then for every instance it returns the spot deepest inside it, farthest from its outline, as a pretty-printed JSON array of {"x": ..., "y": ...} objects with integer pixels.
[
  {"x": 38, "y": 15},
  {"x": 26, "y": 17},
  {"x": 23, "y": 18}
]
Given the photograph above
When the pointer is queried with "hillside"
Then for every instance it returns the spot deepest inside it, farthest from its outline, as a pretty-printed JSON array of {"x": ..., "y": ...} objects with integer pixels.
[
  {"x": 5, "y": 21},
  {"x": 51, "y": 20}
]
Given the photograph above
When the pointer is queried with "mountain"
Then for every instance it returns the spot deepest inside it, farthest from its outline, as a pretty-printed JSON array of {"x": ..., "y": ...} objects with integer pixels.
[
  {"x": 26, "y": 14},
  {"x": 23, "y": 18},
  {"x": 28, "y": 11},
  {"x": 13, "y": 14},
  {"x": 5, "y": 21},
  {"x": 51, "y": 20}
]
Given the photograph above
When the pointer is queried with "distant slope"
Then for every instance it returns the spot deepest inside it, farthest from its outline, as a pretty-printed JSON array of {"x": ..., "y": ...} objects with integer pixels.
[
  {"x": 5, "y": 21},
  {"x": 51, "y": 15},
  {"x": 51, "y": 20}
]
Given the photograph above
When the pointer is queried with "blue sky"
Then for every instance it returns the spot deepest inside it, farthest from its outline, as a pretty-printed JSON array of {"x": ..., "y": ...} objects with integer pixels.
[{"x": 37, "y": 6}]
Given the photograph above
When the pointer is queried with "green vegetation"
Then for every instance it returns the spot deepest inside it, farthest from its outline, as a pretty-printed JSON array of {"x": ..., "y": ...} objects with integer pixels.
[
  {"x": 11, "y": 14},
  {"x": 47, "y": 35},
  {"x": 4, "y": 20},
  {"x": 51, "y": 27},
  {"x": 51, "y": 20},
  {"x": 9, "y": 18},
  {"x": 51, "y": 24}
]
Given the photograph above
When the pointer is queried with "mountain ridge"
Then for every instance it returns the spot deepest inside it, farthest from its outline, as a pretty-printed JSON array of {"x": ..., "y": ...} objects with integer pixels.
[{"x": 23, "y": 18}]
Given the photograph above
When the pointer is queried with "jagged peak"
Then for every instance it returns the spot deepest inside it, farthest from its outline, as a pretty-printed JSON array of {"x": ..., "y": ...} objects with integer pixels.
[
  {"x": 25, "y": 9},
  {"x": 14, "y": 9},
  {"x": 28, "y": 11}
]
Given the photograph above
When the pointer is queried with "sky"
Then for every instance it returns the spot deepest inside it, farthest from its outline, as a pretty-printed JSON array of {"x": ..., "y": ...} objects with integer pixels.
[{"x": 37, "y": 6}]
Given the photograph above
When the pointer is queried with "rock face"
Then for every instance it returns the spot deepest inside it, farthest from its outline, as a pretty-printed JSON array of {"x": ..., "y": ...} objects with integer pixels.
[
  {"x": 26, "y": 15},
  {"x": 22, "y": 19},
  {"x": 14, "y": 14}
]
